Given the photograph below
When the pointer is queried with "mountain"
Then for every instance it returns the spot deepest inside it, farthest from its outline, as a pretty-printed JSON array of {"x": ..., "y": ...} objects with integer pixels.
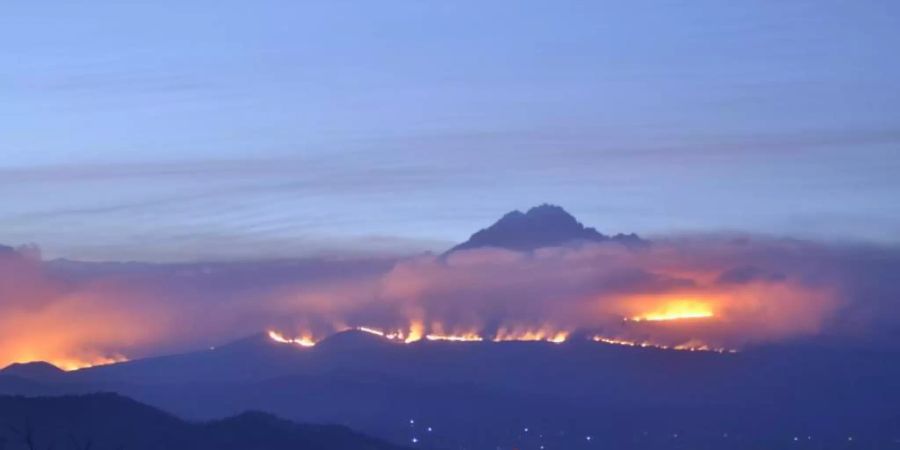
[
  {"x": 109, "y": 421},
  {"x": 38, "y": 371},
  {"x": 541, "y": 226},
  {"x": 485, "y": 392},
  {"x": 252, "y": 358}
]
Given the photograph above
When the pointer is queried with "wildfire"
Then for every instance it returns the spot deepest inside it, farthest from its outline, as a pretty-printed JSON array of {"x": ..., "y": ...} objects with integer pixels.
[
  {"x": 506, "y": 334},
  {"x": 76, "y": 364},
  {"x": 454, "y": 338},
  {"x": 374, "y": 331},
  {"x": 301, "y": 341},
  {"x": 678, "y": 310},
  {"x": 416, "y": 331},
  {"x": 397, "y": 335},
  {"x": 71, "y": 363},
  {"x": 414, "y": 335},
  {"x": 691, "y": 346},
  {"x": 503, "y": 335}
]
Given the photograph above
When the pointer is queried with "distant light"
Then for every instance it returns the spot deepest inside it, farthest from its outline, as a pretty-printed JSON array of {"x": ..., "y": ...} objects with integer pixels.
[
  {"x": 526, "y": 429},
  {"x": 429, "y": 429},
  {"x": 809, "y": 438},
  {"x": 796, "y": 438},
  {"x": 849, "y": 438},
  {"x": 411, "y": 421},
  {"x": 588, "y": 437},
  {"x": 415, "y": 440},
  {"x": 675, "y": 435},
  {"x": 542, "y": 447}
]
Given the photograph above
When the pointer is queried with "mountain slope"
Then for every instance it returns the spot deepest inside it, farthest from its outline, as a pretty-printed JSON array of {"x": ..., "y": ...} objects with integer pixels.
[
  {"x": 542, "y": 226},
  {"x": 107, "y": 421},
  {"x": 376, "y": 386}
]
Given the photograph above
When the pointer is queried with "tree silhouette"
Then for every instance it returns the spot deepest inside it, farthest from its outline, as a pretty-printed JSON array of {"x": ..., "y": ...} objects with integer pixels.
[{"x": 26, "y": 434}]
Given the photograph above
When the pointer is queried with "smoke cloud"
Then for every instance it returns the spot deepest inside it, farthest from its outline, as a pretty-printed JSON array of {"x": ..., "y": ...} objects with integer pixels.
[{"x": 748, "y": 290}]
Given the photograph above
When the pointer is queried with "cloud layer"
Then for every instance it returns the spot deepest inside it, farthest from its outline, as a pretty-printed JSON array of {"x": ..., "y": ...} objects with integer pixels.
[{"x": 754, "y": 290}]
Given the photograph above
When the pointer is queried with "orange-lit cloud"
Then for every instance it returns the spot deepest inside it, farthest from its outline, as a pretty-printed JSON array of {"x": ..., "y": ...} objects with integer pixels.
[
  {"x": 711, "y": 293},
  {"x": 72, "y": 326}
]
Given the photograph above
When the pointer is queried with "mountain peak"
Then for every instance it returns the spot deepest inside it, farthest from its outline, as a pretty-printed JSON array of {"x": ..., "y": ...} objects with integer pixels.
[
  {"x": 37, "y": 370},
  {"x": 548, "y": 209},
  {"x": 545, "y": 225}
]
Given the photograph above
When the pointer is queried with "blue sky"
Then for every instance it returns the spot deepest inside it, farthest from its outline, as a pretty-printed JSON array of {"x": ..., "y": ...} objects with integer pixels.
[{"x": 171, "y": 130}]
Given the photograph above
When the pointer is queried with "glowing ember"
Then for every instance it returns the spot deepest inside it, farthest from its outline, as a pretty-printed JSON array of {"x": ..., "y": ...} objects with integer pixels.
[
  {"x": 502, "y": 335},
  {"x": 391, "y": 336},
  {"x": 397, "y": 336},
  {"x": 453, "y": 338},
  {"x": 679, "y": 310},
  {"x": 691, "y": 346},
  {"x": 371, "y": 331},
  {"x": 301, "y": 341},
  {"x": 416, "y": 333}
]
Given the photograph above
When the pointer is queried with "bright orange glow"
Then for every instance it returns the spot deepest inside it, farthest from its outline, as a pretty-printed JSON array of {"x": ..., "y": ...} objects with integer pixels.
[
  {"x": 416, "y": 331},
  {"x": 97, "y": 338},
  {"x": 301, "y": 341},
  {"x": 71, "y": 363},
  {"x": 675, "y": 310},
  {"x": 692, "y": 346},
  {"x": 539, "y": 334},
  {"x": 76, "y": 364},
  {"x": 454, "y": 338}
]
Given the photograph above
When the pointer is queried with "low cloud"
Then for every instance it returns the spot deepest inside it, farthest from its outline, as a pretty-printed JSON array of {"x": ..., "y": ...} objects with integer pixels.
[{"x": 755, "y": 290}]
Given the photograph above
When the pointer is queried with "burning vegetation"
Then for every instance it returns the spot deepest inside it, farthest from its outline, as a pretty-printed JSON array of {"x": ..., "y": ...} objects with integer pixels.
[
  {"x": 678, "y": 310},
  {"x": 671, "y": 296},
  {"x": 556, "y": 338}
]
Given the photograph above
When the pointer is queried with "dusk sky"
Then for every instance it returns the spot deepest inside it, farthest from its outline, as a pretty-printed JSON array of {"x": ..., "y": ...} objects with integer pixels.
[
  {"x": 450, "y": 224},
  {"x": 172, "y": 130}
]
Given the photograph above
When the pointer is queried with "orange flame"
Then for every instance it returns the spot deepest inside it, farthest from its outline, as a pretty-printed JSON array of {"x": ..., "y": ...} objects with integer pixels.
[
  {"x": 675, "y": 310},
  {"x": 539, "y": 334},
  {"x": 416, "y": 331},
  {"x": 692, "y": 346},
  {"x": 304, "y": 341},
  {"x": 454, "y": 338},
  {"x": 503, "y": 335},
  {"x": 76, "y": 364},
  {"x": 397, "y": 335}
]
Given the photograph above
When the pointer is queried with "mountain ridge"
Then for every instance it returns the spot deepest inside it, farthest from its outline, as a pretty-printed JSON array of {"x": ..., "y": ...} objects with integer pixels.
[
  {"x": 545, "y": 225},
  {"x": 108, "y": 420}
]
